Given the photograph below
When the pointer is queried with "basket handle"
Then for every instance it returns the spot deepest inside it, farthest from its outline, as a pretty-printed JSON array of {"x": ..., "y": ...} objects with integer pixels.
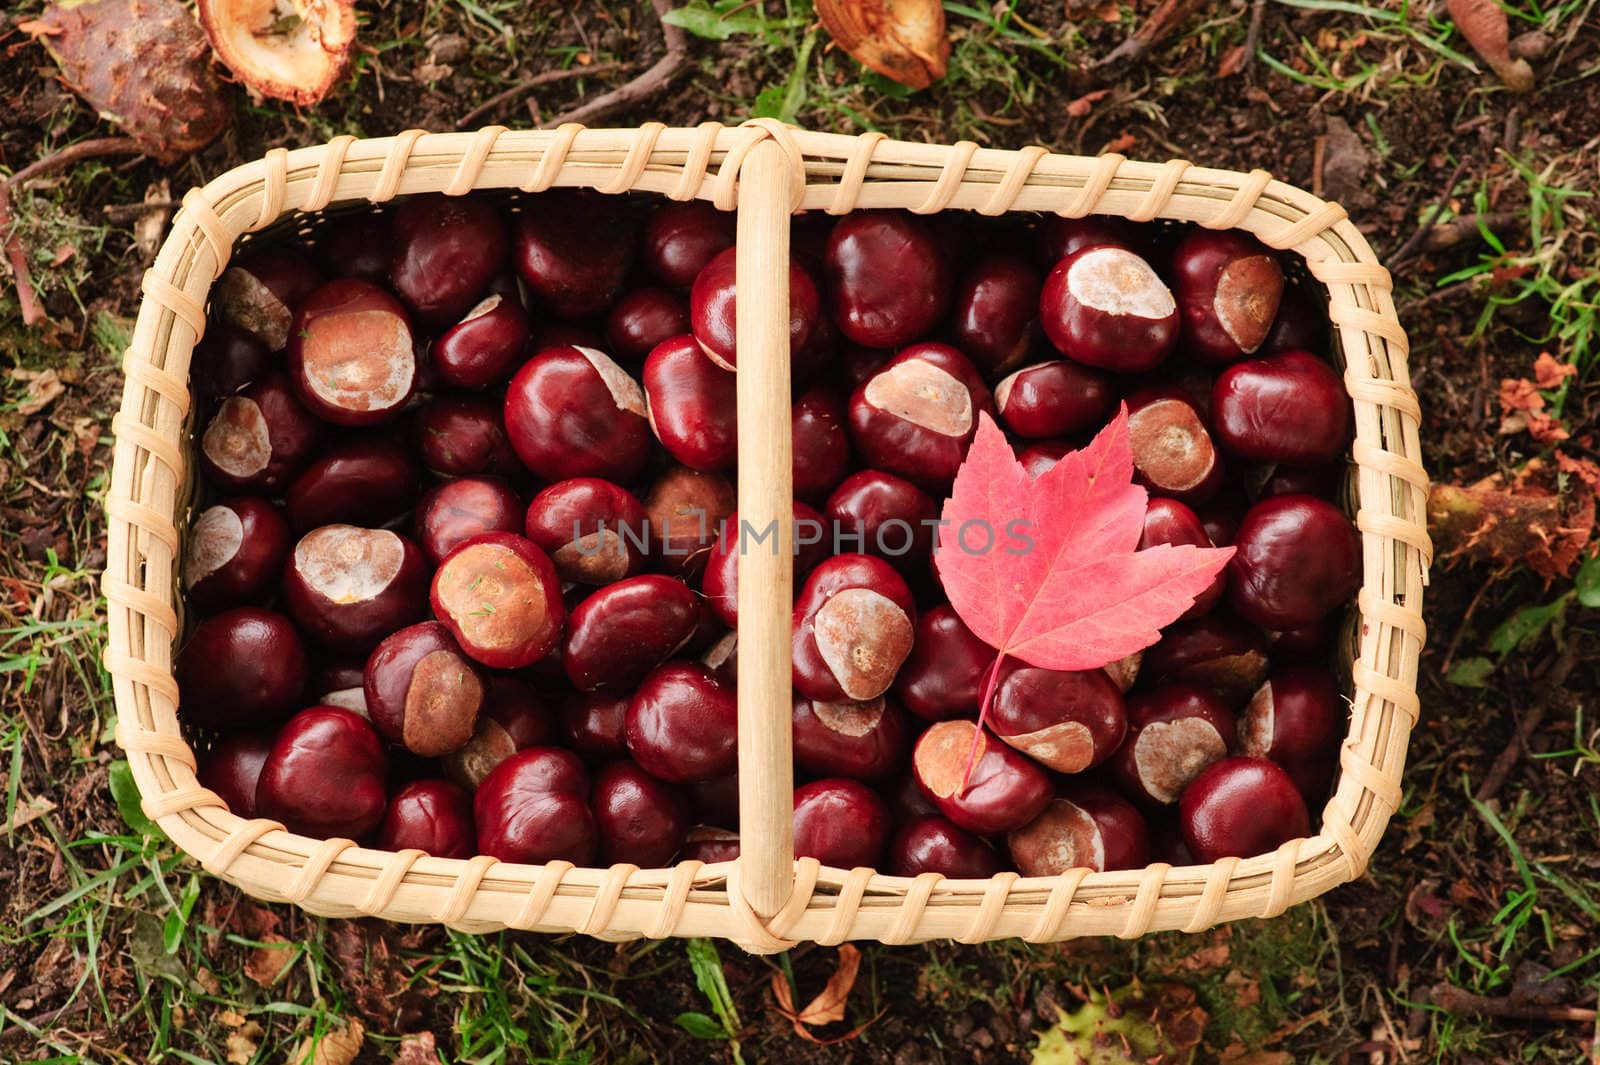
[{"x": 766, "y": 533}]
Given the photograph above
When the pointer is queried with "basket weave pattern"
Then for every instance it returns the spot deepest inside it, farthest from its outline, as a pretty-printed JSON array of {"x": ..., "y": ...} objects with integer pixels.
[{"x": 764, "y": 901}]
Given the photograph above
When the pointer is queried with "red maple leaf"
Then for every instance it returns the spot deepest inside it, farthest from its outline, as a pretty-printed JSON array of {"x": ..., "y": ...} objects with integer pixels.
[{"x": 1048, "y": 570}]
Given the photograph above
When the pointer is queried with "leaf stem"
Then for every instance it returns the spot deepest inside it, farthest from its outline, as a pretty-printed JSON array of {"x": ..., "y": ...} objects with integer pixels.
[{"x": 983, "y": 714}]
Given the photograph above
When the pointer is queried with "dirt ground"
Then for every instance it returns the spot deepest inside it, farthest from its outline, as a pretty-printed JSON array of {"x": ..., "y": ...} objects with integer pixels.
[{"x": 1474, "y": 938}]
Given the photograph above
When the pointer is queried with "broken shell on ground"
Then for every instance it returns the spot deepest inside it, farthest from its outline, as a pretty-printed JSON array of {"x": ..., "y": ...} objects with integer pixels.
[{"x": 287, "y": 49}]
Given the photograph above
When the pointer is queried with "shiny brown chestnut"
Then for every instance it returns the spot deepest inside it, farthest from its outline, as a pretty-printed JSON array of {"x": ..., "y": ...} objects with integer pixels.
[
  {"x": 227, "y": 359},
  {"x": 349, "y": 587},
  {"x": 261, "y": 290},
  {"x": 689, "y": 401},
  {"x": 640, "y": 820},
  {"x": 841, "y": 823},
  {"x": 1104, "y": 306},
  {"x": 259, "y": 438},
  {"x": 1038, "y": 459},
  {"x": 887, "y": 517},
  {"x": 1069, "y": 721},
  {"x": 339, "y": 682},
  {"x": 234, "y": 552},
  {"x": 935, "y": 844},
  {"x": 722, "y": 658},
  {"x": 1228, "y": 286},
  {"x": 351, "y": 358},
  {"x": 1173, "y": 452},
  {"x": 421, "y": 691},
  {"x": 1222, "y": 513},
  {"x": 1296, "y": 719},
  {"x": 464, "y": 436},
  {"x": 686, "y": 509},
  {"x": 713, "y": 304},
  {"x": 917, "y": 415},
  {"x": 1053, "y": 399},
  {"x": 432, "y": 816},
  {"x": 456, "y": 511},
  {"x": 1239, "y": 808},
  {"x": 1217, "y": 652},
  {"x": 626, "y": 629},
  {"x": 443, "y": 253},
  {"x": 499, "y": 596},
  {"x": 232, "y": 767},
  {"x": 1085, "y": 827},
  {"x": 943, "y": 677},
  {"x": 1301, "y": 324},
  {"x": 1004, "y": 792},
  {"x": 1059, "y": 237},
  {"x": 680, "y": 238},
  {"x": 326, "y": 775},
  {"x": 1176, "y": 731},
  {"x": 370, "y": 480},
  {"x": 572, "y": 412},
  {"x": 513, "y": 719},
  {"x": 355, "y": 245},
  {"x": 707, "y": 844},
  {"x": 720, "y": 581},
  {"x": 821, "y": 447},
  {"x": 995, "y": 315},
  {"x": 573, "y": 251},
  {"x": 1289, "y": 408},
  {"x": 853, "y": 625},
  {"x": 682, "y": 724},
  {"x": 534, "y": 808},
  {"x": 1298, "y": 558},
  {"x": 241, "y": 669},
  {"x": 485, "y": 346},
  {"x": 888, "y": 281},
  {"x": 643, "y": 318},
  {"x": 594, "y": 531},
  {"x": 592, "y": 723},
  {"x": 865, "y": 740},
  {"x": 1167, "y": 521}
]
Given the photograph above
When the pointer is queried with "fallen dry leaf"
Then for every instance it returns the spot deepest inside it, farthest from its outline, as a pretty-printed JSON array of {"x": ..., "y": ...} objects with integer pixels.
[
  {"x": 338, "y": 1047},
  {"x": 419, "y": 1049},
  {"x": 242, "y": 1043},
  {"x": 44, "y": 386},
  {"x": 1524, "y": 521},
  {"x": 144, "y": 65},
  {"x": 904, "y": 40},
  {"x": 287, "y": 49},
  {"x": 1483, "y": 24},
  {"x": 1522, "y": 410},
  {"x": 1084, "y": 104},
  {"x": 267, "y": 964},
  {"x": 151, "y": 224},
  {"x": 28, "y": 811},
  {"x": 1548, "y": 373},
  {"x": 828, "y": 1006}
]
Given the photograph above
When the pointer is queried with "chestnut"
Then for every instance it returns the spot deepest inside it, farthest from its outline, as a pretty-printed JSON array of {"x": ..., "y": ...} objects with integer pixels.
[
  {"x": 1005, "y": 790},
  {"x": 1289, "y": 408},
  {"x": 1173, "y": 453},
  {"x": 821, "y": 448},
  {"x": 841, "y": 823},
  {"x": 258, "y": 439},
  {"x": 234, "y": 552},
  {"x": 1053, "y": 399},
  {"x": 1301, "y": 324},
  {"x": 1085, "y": 827},
  {"x": 710, "y": 845},
  {"x": 243, "y": 668},
  {"x": 1222, "y": 513},
  {"x": 227, "y": 359},
  {"x": 720, "y": 581},
  {"x": 443, "y": 252},
  {"x": 935, "y": 844},
  {"x": 626, "y": 629},
  {"x": 682, "y": 724},
  {"x": 853, "y": 626},
  {"x": 643, "y": 318},
  {"x": 1241, "y": 807},
  {"x": 349, "y": 587},
  {"x": 1167, "y": 521},
  {"x": 594, "y": 723},
  {"x": 859, "y": 363},
  {"x": 572, "y": 412},
  {"x": 888, "y": 281},
  {"x": 906, "y": 800},
  {"x": 1059, "y": 237},
  {"x": 433, "y": 816},
  {"x": 1227, "y": 285},
  {"x": 454, "y": 512},
  {"x": 689, "y": 401},
  {"x": 513, "y": 719},
  {"x": 715, "y": 801},
  {"x": 1321, "y": 480},
  {"x": 995, "y": 317},
  {"x": 1297, "y": 558},
  {"x": 355, "y": 245},
  {"x": 261, "y": 290},
  {"x": 1306, "y": 644},
  {"x": 534, "y": 808},
  {"x": 1038, "y": 459},
  {"x": 232, "y": 767},
  {"x": 351, "y": 358},
  {"x": 944, "y": 676},
  {"x": 722, "y": 658},
  {"x": 484, "y": 347},
  {"x": 713, "y": 304},
  {"x": 371, "y": 480},
  {"x": 680, "y": 238},
  {"x": 594, "y": 531},
  {"x": 917, "y": 415},
  {"x": 499, "y": 596},
  {"x": 640, "y": 820},
  {"x": 422, "y": 692},
  {"x": 686, "y": 509},
  {"x": 1217, "y": 652},
  {"x": 1069, "y": 721},
  {"x": 1296, "y": 719},
  {"x": 885, "y": 516},
  {"x": 573, "y": 252},
  {"x": 464, "y": 436},
  {"x": 325, "y": 776},
  {"x": 1176, "y": 731},
  {"x": 340, "y": 682},
  {"x": 1104, "y": 306},
  {"x": 864, "y": 740},
  {"x": 1124, "y": 672}
]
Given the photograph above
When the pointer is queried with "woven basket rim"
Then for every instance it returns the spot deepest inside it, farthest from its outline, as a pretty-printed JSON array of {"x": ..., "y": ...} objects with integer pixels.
[{"x": 831, "y": 173}]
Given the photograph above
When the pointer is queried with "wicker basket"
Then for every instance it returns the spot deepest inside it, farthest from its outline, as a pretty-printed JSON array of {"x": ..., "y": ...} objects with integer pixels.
[{"x": 765, "y": 901}]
